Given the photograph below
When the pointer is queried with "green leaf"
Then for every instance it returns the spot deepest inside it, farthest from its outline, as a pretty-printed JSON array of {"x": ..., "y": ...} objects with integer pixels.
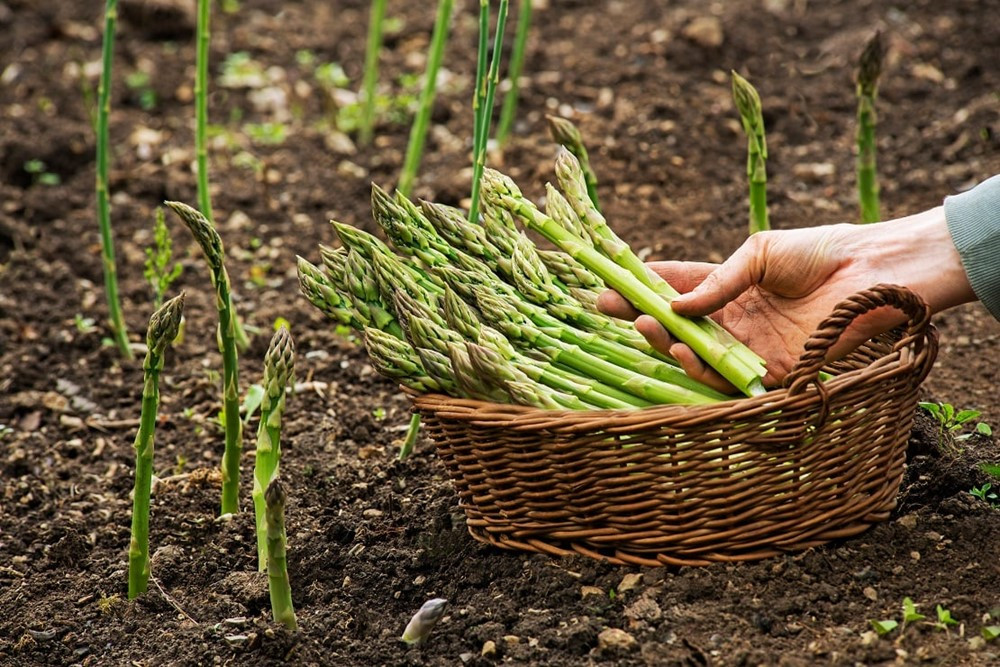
[
  {"x": 991, "y": 469},
  {"x": 944, "y": 616},
  {"x": 964, "y": 416},
  {"x": 948, "y": 411},
  {"x": 884, "y": 627},
  {"x": 910, "y": 613},
  {"x": 991, "y": 632},
  {"x": 252, "y": 401},
  {"x": 982, "y": 428}
]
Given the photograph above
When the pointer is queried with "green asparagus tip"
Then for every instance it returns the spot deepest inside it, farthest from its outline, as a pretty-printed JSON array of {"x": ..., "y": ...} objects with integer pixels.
[
  {"x": 279, "y": 363},
  {"x": 275, "y": 496},
  {"x": 870, "y": 65},
  {"x": 164, "y": 324},
  {"x": 420, "y": 626},
  {"x": 202, "y": 230},
  {"x": 747, "y": 100},
  {"x": 496, "y": 186},
  {"x": 563, "y": 131}
]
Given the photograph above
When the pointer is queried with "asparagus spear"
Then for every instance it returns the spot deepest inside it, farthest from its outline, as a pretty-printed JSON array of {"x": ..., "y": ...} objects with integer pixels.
[
  {"x": 372, "y": 49},
  {"x": 279, "y": 367},
  {"x": 335, "y": 262},
  {"x": 471, "y": 381},
  {"x": 869, "y": 69},
  {"x": 522, "y": 389},
  {"x": 748, "y": 104},
  {"x": 412, "y": 431},
  {"x": 163, "y": 326},
  {"x": 713, "y": 344},
  {"x": 506, "y": 121},
  {"x": 211, "y": 245},
  {"x": 277, "y": 562},
  {"x": 483, "y": 105},
  {"x": 396, "y": 359},
  {"x": 363, "y": 289},
  {"x": 566, "y": 134},
  {"x": 316, "y": 287}
]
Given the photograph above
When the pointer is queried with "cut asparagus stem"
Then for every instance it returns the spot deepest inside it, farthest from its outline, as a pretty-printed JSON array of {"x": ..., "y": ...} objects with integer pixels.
[
  {"x": 277, "y": 561},
  {"x": 279, "y": 367},
  {"x": 869, "y": 69},
  {"x": 211, "y": 245},
  {"x": 163, "y": 327},
  {"x": 718, "y": 348},
  {"x": 748, "y": 104}
]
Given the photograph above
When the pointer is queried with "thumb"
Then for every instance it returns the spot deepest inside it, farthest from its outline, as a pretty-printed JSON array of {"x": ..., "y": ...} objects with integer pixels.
[{"x": 728, "y": 281}]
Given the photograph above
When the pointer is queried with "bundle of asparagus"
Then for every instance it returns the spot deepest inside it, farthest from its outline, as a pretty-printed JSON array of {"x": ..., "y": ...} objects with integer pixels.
[{"x": 474, "y": 309}]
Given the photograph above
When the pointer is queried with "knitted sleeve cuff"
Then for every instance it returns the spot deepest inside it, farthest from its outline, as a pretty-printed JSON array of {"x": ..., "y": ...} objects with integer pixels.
[{"x": 974, "y": 224}]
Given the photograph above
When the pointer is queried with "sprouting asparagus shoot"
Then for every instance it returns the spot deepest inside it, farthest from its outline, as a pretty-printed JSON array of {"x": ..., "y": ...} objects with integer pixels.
[
  {"x": 211, "y": 245},
  {"x": 568, "y": 136},
  {"x": 418, "y": 132},
  {"x": 163, "y": 326},
  {"x": 412, "y": 433},
  {"x": 277, "y": 565},
  {"x": 115, "y": 316},
  {"x": 279, "y": 367},
  {"x": 869, "y": 69},
  {"x": 420, "y": 626},
  {"x": 370, "y": 78},
  {"x": 748, "y": 104},
  {"x": 509, "y": 109},
  {"x": 201, "y": 106}
]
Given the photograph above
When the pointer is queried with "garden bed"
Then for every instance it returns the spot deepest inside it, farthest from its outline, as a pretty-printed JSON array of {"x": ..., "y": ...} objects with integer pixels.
[{"x": 371, "y": 538}]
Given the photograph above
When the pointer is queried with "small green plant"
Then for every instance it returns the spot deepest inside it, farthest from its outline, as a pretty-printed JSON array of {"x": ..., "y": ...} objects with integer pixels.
[
  {"x": 378, "y": 413},
  {"x": 884, "y": 627},
  {"x": 944, "y": 619},
  {"x": 266, "y": 134},
  {"x": 85, "y": 325},
  {"x": 990, "y": 632},
  {"x": 40, "y": 175},
  {"x": 910, "y": 613},
  {"x": 162, "y": 330},
  {"x": 991, "y": 469},
  {"x": 951, "y": 420},
  {"x": 986, "y": 494},
  {"x": 139, "y": 83},
  {"x": 159, "y": 272},
  {"x": 748, "y": 104}
]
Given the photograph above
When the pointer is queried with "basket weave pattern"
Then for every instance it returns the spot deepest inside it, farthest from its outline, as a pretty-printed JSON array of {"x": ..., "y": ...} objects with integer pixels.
[{"x": 691, "y": 485}]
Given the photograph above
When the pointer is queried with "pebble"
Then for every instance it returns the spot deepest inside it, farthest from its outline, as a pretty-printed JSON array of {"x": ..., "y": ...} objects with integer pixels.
[
  {"x": 614, "y": 638},
  {"x": 489, "y": 648},
  {"x": 908, "y": 521},
  {"x": 511, "y": 639},
  {"x": 814, "y": 171},
  {"x": 629, "y": 582},
  {"x": 372, "y": 513},
  {"x": 590, "y": 590},
  {"x": 705, "y": 31},
  {"x": 870, "y": 593}
]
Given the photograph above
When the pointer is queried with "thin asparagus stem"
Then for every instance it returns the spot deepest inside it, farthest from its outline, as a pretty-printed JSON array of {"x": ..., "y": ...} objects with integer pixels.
[
  {"x": 869, "y": 69},
  {"x": 277, "y": 560},
  {"x": 748, "y": 104},
  {"x": 418, "y": 132},
  {"x": 566, "y": 134},
  {"x": 509, "y": 109},
  {"x": 370, "y": 79},
  {"x": 412, "y": 433},
  {"x": 211, "y": 245},
  {"x": 116, "y": 319},
  {"x": 485, "y": 112},
  {"x": 279, "y": 368},
  {"x": 163, "y": 326},
  {"x": 201, "y": 107}
]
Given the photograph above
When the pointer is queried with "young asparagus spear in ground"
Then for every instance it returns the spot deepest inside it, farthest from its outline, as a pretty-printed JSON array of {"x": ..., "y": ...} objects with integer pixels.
[
  {"x": 748, "y": 104},
  {"x": 211, "y": 244},
  {"x": 568, "y": 136},
  {"x": 279, "y": 368},
  {"x": 162, "y": 330},
  {"x": 869, "y": 69},
  {"x": 277, "y": 566}
]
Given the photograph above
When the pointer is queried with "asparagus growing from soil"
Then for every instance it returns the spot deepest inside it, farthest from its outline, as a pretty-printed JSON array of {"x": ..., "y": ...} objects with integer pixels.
[
  {"x": 419, "y": 628},
  {"x": 483, "y": 105},
  {"x": 116, "y": 319},
  {"x": 279, "y": 367},
  {"x": 748, "y": 104},
  {"x": 869, "y": 69},
  {"x": 418, "y": 132},
  {"x": 277, "y": 561},
  {"x": 717, "y": 347},
  {"x": 370, "y": 78},
  {"x": 163, "y": 326},
  {"x": 211, "y": 245},
  {"x": 566, "y": 134},
  {"x": 509, "y": 109},
  {"x": 412, "y": 432}
]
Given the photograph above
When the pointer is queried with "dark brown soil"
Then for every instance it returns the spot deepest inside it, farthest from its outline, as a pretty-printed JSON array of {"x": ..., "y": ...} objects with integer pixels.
[{"x": 372, "y": 538}]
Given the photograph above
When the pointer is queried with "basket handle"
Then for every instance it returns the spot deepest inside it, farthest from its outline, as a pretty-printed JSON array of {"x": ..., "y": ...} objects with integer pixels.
[{"x": 917, "y": 312}]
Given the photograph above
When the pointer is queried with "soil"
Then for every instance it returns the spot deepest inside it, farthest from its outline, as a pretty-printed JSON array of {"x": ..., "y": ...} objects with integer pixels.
[{"x": 372, "y": 538}]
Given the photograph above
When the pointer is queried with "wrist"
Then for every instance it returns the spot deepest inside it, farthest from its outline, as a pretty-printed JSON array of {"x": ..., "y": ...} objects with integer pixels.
[{"x": 917, "y": 252}]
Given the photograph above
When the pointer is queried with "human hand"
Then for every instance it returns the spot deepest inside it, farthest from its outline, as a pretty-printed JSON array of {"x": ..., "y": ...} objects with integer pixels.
[{"x": 778, "y": 286}]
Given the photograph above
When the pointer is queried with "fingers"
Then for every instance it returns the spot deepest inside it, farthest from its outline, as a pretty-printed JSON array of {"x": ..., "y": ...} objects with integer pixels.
[
  {"x": 682, "y": 276},
  {"x": 726, "y": 282},
  {"x": 690, "y": 362}
]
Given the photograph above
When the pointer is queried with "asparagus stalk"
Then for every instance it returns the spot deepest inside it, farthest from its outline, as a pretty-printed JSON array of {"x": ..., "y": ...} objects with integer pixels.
[
  {"x": 201, "y": 106},
  {"x": 116, "y": 319},
  {"x": 163, "y": 326},
  {"x": 363, "y": 289},
  {"x": 484, "y": 113},
  {"x": 522, "y": 389},
  {"x": 566, "y": 134},
  {"x": 419, "y": 628},
  {"x": 335, "y": 262},
  {"x": 412, "y": 432},
  {"x": 396, "y": 359},
  {"x": 418, "y": 132},
  {"x": 370, "y": 78},
  {"x": 211, "y": 245},
  {"x": 869, "y": 69},
  {"x": 471, "y": 381},
  {"x": 277, "y": 561},
  {"x": 368, "y": 246},
  {"x": 517, "y": 327},
  {"x": 748, "y": 104},
  {"x": 509, "y": 108},
  {"x": 316, "y": 287},
  {"x": 718, "y": 348},
  {"x": 279, "y": 367}
]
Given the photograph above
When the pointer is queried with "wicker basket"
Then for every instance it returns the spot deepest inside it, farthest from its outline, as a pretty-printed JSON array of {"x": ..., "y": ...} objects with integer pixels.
[{"x": 691, "y": 485}]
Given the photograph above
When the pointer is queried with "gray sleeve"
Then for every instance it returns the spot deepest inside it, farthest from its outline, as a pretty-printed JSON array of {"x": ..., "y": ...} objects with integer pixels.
[{"x": 974, "y": 223}]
